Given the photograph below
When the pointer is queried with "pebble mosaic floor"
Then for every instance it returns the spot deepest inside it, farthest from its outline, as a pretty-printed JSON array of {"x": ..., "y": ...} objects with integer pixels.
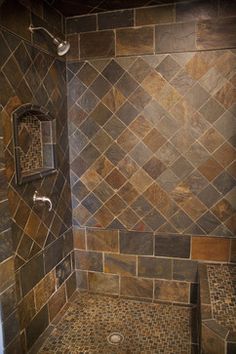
[
  {"x": 147, "y": 327},
  {"x": 222, "y": 284}
]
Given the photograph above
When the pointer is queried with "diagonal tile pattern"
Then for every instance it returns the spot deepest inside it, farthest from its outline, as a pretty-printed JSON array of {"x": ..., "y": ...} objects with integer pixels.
[{"x": 167, "y": 126}]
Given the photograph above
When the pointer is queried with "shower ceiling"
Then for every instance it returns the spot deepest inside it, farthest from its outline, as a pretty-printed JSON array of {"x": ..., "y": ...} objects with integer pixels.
[{"x": 80, "y": 7}]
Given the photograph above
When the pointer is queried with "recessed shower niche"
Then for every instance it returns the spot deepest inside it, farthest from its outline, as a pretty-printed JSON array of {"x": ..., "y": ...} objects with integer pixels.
[{"x": 34, "y": 143}]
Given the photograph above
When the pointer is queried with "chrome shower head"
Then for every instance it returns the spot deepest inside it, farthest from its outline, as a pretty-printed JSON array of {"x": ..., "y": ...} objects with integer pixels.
[{"x": 62, "y": 46}]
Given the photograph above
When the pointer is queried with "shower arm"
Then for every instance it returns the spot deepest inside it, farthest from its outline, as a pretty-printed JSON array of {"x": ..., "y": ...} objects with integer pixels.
[{"x": 32, "y": 29}]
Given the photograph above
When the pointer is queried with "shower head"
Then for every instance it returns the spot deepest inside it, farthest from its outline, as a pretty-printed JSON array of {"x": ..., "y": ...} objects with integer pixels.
[{"x": 62, "y": 46}]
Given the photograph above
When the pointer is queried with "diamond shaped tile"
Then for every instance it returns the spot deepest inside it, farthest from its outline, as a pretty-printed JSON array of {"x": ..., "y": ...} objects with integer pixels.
[
  {"x": 127, "y": 113},
  {"x": 100, "y": 86},
  {"x": 103, "y": 166},
  {"x": 154, "y": 140},
  {"x": 154, "y": 167},
  {"x": 89, "y": 127},
  {"x": 211, "y": 110},
  {"x": 167, "y": 153},
  {"x": 128, "y": 193},
  {"x": 168, "y": 68},
  {"x": 114, "y": 127},
  {"x": 127, "y": 166},
  {"x": 140, "y": 69},
  {"x": 126, "y": 85},
  {"x": 181, "y": 167},
  {"x": 223, "y": 210},
  {"x": 140, "y": 126},
  {"x": 208, "y": 222},
  {"x": 114, "y": 153},
  {"x": 89, "y": 154},
  {"x": 127, "y": 140},
  {"x": 113, "y": 99},
  {"x": 115, "y": 179},
  {"x": 116, "y": 205},
  {"x": 141, "y": 206},
  {"x": 210, "y": 169},
  {"x": 88, "y": 101},
  {"x": 224, "y": 182},
  {"x": 225, "y": 154},
  {"x": 211, "y": 139},
  {"x": 91, "y": 203},
  {"x": 226, "y": 125},
  {"x": 209, "y": 195},
  {"x": 154, "y": 219},
  {"x": 101, "y": 114},
  {"x": 140, "y": 98},
  {"x": 113, "y": 72},
  {"x": 153, "y": 83},
  {"x": 87, "y": 74},
  {"x": 103, "y": 191},
  {"x": 181, "y": 221},
  {"x": 128, "y": 218},
  {"x": 168, "y": 180},
  {"x": 140, "y": 153},
  {"x": 102, "y": 140},
  {"x": 141, "y": 180}
]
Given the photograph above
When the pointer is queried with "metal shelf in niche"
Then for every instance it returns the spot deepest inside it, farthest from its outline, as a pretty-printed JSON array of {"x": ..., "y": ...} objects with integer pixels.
[{"x": 34, "y": 136}]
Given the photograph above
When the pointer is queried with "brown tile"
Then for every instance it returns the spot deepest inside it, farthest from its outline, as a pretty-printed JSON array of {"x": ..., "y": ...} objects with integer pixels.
[
  {"x": 211, "y": 110},
  {"x": 127, "y": 166},
  {"x": 185, "y": 270},
  {"x": 128, "y": 193},
  {"x": 31, "y": 273},
  {"x": 81, "y": 24},
  {"x": 103, "y": 283},
  {"x": 210, "y": 341},
  {"x": 37, "y": 326},
  {"x": 136, "y": 243},
  {"x": 210, "y": 249},
  {"x": 193, "y": 207},
  {"x": 27, "y": 309},
  {"x": 153, "y": 83},
  {"x": 233, "y": 251},
  {"x": 44, "y": 290},
  {"x": 175, "y": 38},
  {"x": 120, "y": 264},
  {"x": 216, "y": 34},
  {"x": 210, "y": 169},
  {"x": 81, "y": 280},
  {"x": 141, "y": 180},
  {"x": 127, "y": 140},
  {"x": 140, "y": 126},
  {"x": 79, "y": 238},
  {"x": 115, "y": 179},
  {"x": 103, "y": 217},
  {"x": 134, "y": 41},
  {"x": 103, "y": 191},
  {"x": 115, "y": 19},
  {"x": 211, "y": 139},
  {"x": 113, "y": 99},
  {"x": 154, "y": 140},
  {"x": 172, "y": 246},
  {"x": 87, "y": 74},
  {"x": 227, "y": 8},
  {"x": 154, "y": 15},
  {"x": 172, "y": 291},
  {"x": 226, "y": 95},
  {"x": 140, "y": 69},
  {"x": 97, "y": 44},
  {"x": 200, "y": 10},
  {"x": 136, "y": 287},
  {"x": 116, "y": 205},
  {"x": 140, "y": 98},
  {"x": 56, "y": 302},
  {"x": 128, "y": 218},
  {"x": 153, "y": 267},
  {"x": 223, "y": 210},
  {"x": 225, "y": 155},
  {"x": 102, "y": 240},
  {"x": 85, "y": 260}
]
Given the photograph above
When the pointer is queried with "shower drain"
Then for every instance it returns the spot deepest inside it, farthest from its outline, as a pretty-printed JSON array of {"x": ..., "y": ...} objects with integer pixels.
[{"x": 115, "y": 338}]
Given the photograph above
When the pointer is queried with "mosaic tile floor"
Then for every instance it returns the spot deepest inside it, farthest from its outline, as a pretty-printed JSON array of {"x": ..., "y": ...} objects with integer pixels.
[
  {"x": 146, "y": 327},
  {"x": 222, "y": 284}
]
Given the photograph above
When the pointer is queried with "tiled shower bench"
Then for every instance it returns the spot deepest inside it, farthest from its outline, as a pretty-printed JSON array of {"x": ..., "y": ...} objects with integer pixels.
[{"x": 218, "y": 308}]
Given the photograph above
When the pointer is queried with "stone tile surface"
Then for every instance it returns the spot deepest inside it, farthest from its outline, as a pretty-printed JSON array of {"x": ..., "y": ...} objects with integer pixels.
[{"x": 146, "y": 327}]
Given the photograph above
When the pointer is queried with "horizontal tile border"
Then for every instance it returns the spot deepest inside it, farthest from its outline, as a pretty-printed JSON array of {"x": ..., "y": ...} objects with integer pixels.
[
  {"x": 200, "y": 246},
  {"x": 156, "y": 14}
]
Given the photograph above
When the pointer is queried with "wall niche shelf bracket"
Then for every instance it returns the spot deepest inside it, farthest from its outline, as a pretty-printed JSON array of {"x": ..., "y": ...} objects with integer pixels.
[{"x": 34, "y": 136}]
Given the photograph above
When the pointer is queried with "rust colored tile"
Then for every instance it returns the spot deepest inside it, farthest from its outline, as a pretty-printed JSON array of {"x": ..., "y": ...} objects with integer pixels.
[
  {"x": 79, "y": 238},
  {"x": 225, "y": 155},
  {"x": 136, "y": 287},
  {"x": 115, "y": 179},
  {"x": 210, "y": 169},
  {"x": 128, "y": 167},
  {"x": 168, "y": 96},
  {"x": 102, "y": 240},
  {"x": 97, "y": 44},
  {"x": 216, "y": 34},
  {"x": 103, "y": 166},
  {"x": 233, "y": 251},
  {"x": 172, "y": 291},
  {"x": 134, "y": 41},
  {"x": 44, "y": 290},
  {"x": 210, "y": 249},
  {"x": 120, "y": 264},
  {"x": 91, "y": 179},
  {"x": 56, "y": 302}
]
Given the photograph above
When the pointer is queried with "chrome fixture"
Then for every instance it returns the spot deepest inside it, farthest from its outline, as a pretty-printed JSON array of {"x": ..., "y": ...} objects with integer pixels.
[
  {"x": 37, "y": 198},
  {"x": 62, "y": 46}
]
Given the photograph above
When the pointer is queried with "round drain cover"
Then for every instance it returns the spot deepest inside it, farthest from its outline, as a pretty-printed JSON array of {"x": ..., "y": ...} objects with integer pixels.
[{"x": 115, "y": 338}]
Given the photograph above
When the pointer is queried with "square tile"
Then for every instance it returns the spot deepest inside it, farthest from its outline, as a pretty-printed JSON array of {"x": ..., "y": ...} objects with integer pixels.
[
  {"x": 114, "y": 127},
  {"x": 101, "y": 114},
  {"x": 103, "y": 191},
  {"x": 181, "y": 167},
  {"x": 154, "y": 140},
  {"x": 127, "y": 113},
  {"x": 168, "y": 68},
  {"x": 140, "y": 126},
  {"x": 141, "y": 180},
  {"x": 209, "y": 195},
  {"x": 114, "y": 153},
  {"x": 140, "y": 154},
  {"x": 88, "y": 101},
  {"x": 100, "y": 86},
  {"x": 140, "y": 98},
  {"x": 102, "y": 140},
  {"x": 154, "y": 219},
  {"x": 197, "y": 96},
  {"x": 113, "y": 72},
  {"x": 127, "y": 140},
  {"x": 141, "y": 206},
  {"x": 140, "y": 69},
  {"x": 154, "y": 167},
  {"x": 113, "y": 99},
  {"x": 87, "y": 74},
  {"x": 115, "y": 179},
  {"x": 91, "y": 203}
]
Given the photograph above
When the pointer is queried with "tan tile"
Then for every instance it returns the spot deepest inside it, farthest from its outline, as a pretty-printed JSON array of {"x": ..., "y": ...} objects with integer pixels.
[
  {"x": 140, "y": 126},
  {"x": 212, "y": 139},
  {"x": 103, "y": 217},
  {"x": 56, "y": 302},
  {"x": 120, "y": 264},
  {"x": 225, "y": 155},
  {"x": 193, "y": 207},
  {"x": 226, "y": 95},
  {"x": 44, "y": 290},
  {"x": 102, "y": 240},
  {"x": 113, "y": 99},
  {"x": 141, "y": 180},
  {"x": 153, "y": 83},
  {"x": 210, "y": 248},
  {"x": 172, "y": 291},
  {"x": 210, "y": 169}
]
